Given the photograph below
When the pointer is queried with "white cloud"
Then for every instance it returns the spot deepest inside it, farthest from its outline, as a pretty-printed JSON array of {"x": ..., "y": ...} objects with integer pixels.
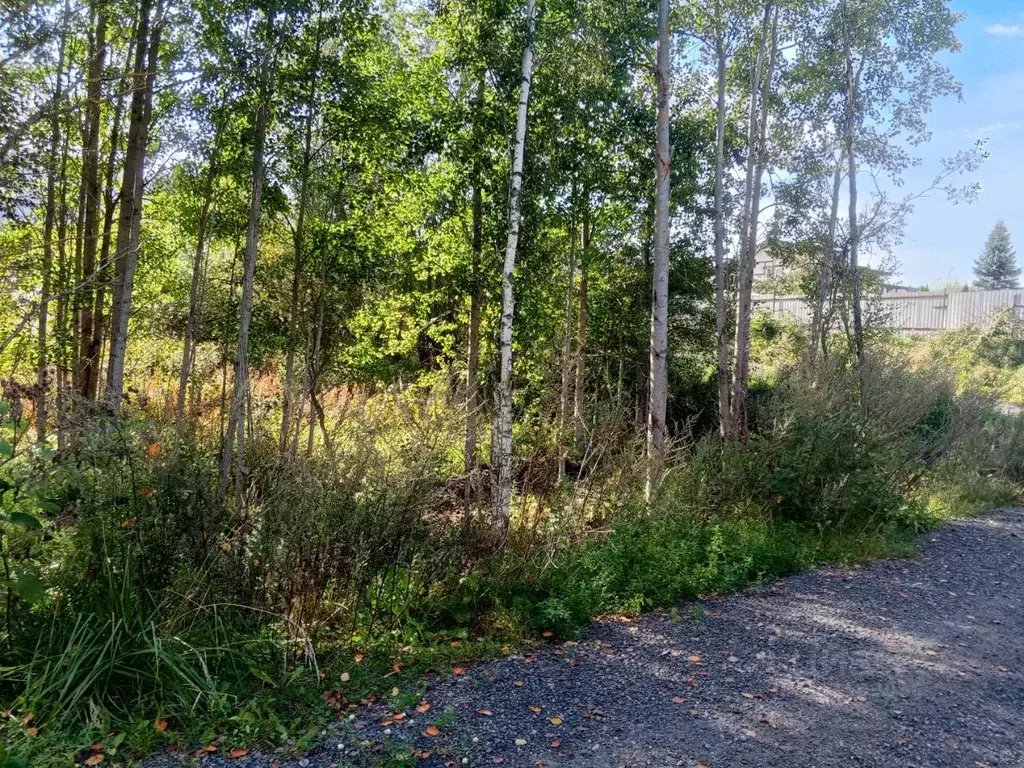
[
  {"x": 987, "y": 130},
  {"x": 1006, "y": 30}
]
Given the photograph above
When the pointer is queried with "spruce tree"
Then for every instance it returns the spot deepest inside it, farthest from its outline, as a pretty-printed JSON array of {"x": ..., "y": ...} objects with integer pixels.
[{"x": 996, "y": 267}]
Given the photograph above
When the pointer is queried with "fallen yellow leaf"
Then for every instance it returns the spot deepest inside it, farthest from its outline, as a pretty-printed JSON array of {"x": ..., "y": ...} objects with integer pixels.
[
  {"x": 693, "y": 657},
  {"x": 95, "y": 759},
  {"x": 431, "y": 730},
  {"x": 234, "y": 754},
  {"x": 160, "y": 725},
  {"x": 423, "y": 707},
  {"x": 458, "y": 671},
  {"x": 484, "y": 712},
  {"x": 535, "y": 708},
  {"x": 555, "y": 720}
]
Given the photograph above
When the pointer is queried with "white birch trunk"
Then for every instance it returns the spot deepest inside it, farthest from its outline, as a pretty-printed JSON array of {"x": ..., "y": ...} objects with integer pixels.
[
  {"x": 657, "y": 401},
  {"x": 503, "y": 493},
  {"x": 748, "y": 245},
  {"x": 236, "y": 423}
]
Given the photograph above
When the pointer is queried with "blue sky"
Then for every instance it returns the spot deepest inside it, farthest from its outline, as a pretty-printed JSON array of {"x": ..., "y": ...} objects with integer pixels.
[{"x": 942, "y": 240}]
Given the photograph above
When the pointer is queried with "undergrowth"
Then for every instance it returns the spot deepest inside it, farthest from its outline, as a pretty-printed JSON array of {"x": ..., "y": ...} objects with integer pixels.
[{"x": 141, "y": 612}]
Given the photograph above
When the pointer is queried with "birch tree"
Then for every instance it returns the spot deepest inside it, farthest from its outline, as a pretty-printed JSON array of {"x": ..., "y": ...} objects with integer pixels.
[
  {"x": 657, "y": 403},
  {"x": 234, "y": 440},
  {"x": 757, "y": 158},
  {"x": 503, "y": 423}
]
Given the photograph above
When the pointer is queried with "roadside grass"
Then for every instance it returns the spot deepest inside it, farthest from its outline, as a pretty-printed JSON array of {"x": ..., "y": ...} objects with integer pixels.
[{"x": 639, "y": 565}]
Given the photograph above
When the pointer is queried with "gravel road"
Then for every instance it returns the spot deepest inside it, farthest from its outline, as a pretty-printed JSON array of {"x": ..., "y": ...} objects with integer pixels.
[{"x": 902, "y": 663}]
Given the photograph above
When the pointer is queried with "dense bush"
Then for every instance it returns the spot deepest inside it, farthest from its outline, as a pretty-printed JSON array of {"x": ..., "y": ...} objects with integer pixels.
[{"x": 135, "y": 593}]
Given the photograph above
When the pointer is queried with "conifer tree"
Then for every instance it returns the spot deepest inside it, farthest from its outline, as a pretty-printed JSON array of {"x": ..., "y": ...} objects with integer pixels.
[{"x": 996, "y": 267}]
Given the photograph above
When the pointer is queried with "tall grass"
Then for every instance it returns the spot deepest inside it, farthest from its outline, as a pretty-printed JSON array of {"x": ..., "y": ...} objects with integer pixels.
[{"x": 160, "y": 603}]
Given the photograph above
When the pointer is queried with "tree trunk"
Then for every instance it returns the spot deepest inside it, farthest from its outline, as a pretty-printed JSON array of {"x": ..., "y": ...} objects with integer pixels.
[
  {"x": 565, "y": 393},
  {"x": 61, "y": 332},
  {"x": 75, "y": 278},
  {"x": 299, "y": 242},
  {"x": 657, "y": 401},
  {"x": 820, "y": 315},
  {"x": 225, "y": 426},
  {"x": 239, "y": 402},
  {"x": 473, "y": 352},
  {"x": 126, "y": 253},
  {"x": 503, "y": 492},
  {"x": 851, "y": 159},
  {"x": 196, "y": 288},
  {"x": 721, "y": 331},
  {"x": 85, "y": 370},
  {"x": 42, "y": 362},
  {"x": 756, "y": 164},
  {"x": 580, "y": 389},
  {"x": 314, "y": 374},
  {"x": 109, "y": 206}
]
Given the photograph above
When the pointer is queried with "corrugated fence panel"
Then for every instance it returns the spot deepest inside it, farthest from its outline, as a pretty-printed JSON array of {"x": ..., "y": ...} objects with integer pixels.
[
  {"x": 916, "y": 312},
  {"x": 978, "y": 307},
  {"x": 793, "y": 306}
]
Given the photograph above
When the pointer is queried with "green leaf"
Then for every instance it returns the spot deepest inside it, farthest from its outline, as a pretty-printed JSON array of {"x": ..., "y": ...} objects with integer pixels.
[
  {"x": 29, "y": 587},
  {"x": 6, "y": 449},
  {"x": 26, "y": 521},
  {"x": 260, "y": 674},
  {"x": 50, "y": 506}
]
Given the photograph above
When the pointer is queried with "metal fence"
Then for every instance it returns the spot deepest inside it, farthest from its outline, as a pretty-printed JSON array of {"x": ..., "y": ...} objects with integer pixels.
[{"x": 912, "y": 312}]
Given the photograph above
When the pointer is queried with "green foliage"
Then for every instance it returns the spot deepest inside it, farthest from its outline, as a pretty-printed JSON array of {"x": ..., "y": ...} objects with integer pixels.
[
  {"x": 987, "y": 358},
  {"x": 996, "y": 267}
]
